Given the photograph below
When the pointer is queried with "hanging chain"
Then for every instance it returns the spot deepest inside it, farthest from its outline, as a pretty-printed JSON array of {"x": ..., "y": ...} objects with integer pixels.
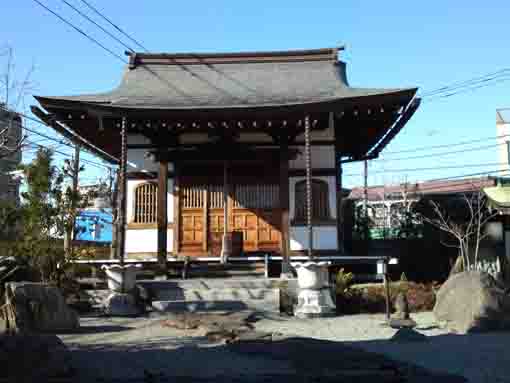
[
  {"x": 308, "y": 164},
  {"x": 123, "y": 191}
]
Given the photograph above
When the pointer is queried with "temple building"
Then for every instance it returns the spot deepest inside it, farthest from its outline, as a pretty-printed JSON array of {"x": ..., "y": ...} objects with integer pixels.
[{"x": 212, "y": 149}]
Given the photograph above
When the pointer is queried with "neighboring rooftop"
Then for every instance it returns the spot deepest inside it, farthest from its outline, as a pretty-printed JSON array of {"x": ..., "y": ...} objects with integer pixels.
[
  {"x": 503, "y": 116},
  {"x": 465, "y": 185}
]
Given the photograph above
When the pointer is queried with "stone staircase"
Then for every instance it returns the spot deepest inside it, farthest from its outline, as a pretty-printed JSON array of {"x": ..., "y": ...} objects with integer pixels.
[
  {"x": 205, "y": 294},
  {"x": 213, "y": 294}
]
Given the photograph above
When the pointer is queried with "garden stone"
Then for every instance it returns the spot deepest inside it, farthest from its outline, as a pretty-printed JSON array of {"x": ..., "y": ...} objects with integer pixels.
[
  {"x": 288, "y": 296},
  {"x": 3, "y": 326},
  {"x": 472, "y": 301},
  {"x": 32, "y": 307},
  {"x": 119, "y": 304},
  {"x": 34, "y": 358}
]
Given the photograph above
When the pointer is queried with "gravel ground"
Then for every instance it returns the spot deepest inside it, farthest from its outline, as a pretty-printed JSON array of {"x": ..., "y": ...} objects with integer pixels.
[
  {"x": 123, "y": 348},
  {"x": 481, "y": 358}
]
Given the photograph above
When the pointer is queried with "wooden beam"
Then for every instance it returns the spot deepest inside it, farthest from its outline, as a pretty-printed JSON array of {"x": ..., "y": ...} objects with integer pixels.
[
  {"x": 177, "y": 208},
  {"x": 162, "y": 215},
  {"x": 339, "y": 192},
  {"x": 284, "y": 204}
]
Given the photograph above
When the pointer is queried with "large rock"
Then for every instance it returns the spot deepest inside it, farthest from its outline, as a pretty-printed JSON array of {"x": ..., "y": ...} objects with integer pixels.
[
  {"x": 33, "y": 307},
  {"x": 33, "y": 358},
  {"x": 472, "y": 301}
]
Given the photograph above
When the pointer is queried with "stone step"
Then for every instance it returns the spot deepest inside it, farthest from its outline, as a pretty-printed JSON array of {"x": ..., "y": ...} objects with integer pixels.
[
  {"x": 214, "y": 294},
  {"x": 213, "y": 283},
  {"x": 265, "y": 305}
]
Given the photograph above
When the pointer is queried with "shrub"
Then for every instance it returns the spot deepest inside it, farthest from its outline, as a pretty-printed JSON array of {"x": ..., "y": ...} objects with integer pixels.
[
  {"x": 343, "y": 281},
  {"x": 371, "y": 298}
]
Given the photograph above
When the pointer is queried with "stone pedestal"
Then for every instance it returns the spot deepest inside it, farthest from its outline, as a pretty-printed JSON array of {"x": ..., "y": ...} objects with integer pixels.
[
  {"x": 117, "y": 274},
  {"x": 118, "y": 304},
  {"x": 315, "y": 303},
  {"x": 314, "y": 298}
]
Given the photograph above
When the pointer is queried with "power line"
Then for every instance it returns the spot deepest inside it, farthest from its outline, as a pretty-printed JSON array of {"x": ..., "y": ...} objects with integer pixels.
[
  {"x": 465, "y": 90},
  {"x": 426, "y": 169},
  {"x": 113, "y": 24},
  {"x": 99, "y": 26},
  {"x": 96, "y": 164},
  {"x": 420, "y": 148},
  {"x": 440, "y": 154},
  {"x": 459, "y": 84},
  {"x": 81, "y": 32}
]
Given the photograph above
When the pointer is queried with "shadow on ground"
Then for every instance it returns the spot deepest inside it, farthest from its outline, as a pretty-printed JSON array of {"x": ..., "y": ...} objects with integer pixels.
[{"x": 280, "y": 360}]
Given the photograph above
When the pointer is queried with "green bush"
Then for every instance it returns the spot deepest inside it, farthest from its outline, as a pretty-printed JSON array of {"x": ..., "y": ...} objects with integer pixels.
[
  {"x": 371, "y": 299},
  {"x": 343, "y": 282}
]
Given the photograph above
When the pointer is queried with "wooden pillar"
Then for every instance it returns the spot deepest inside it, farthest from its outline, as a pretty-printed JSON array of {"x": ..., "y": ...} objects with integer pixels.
[
  {"x": 122, "y": 195},
  {"x": 284, "y": 205},
  {"x": 339, "y": 189},
  {"x": 308, "y": 164},
  {"x": 226, "y": 243},
  {"x": 339, "y": 202},
  {"x": 162, "y": 214},
  {"x": 177, "y": 208}
]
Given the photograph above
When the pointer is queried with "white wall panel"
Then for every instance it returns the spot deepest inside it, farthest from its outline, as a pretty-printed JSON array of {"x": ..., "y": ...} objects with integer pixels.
[
  {"x": 324, "y": 238},
  {"x": 146, "y": 241}
]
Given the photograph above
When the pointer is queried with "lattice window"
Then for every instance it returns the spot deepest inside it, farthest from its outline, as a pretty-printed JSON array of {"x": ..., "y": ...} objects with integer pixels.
[
  {"x": 215, "y": 196},
  {"x": 146, "y": 203},
  {"x": 320, "y": 200},
  {"x": 261, "y": 196},
  {"x": 193, "y": 196}
]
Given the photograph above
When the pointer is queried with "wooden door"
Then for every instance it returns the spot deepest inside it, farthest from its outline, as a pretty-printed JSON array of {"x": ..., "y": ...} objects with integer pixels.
[
  {"x": 192, "y": 225},
  {"x": 254, "y": 217}
]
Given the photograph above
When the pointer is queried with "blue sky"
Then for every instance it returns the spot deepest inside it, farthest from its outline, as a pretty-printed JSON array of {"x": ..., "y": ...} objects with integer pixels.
[{"x": 389, "y": 44}]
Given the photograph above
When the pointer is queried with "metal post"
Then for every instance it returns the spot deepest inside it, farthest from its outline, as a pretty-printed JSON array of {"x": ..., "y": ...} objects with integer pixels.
[
  {"x": 308, "y": 164},
  {"x": 122, "y": 199}
]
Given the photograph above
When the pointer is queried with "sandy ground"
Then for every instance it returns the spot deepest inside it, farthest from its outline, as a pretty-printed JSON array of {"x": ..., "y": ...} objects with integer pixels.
[
  {"x": 481, "y": 358},
  {"x": 124, "y": 348}
]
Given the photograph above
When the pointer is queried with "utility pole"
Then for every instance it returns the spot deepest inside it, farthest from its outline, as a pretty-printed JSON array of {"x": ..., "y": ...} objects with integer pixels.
[
  {"x": 74, "y": 170},
  {"x": 365, "y": 199}
]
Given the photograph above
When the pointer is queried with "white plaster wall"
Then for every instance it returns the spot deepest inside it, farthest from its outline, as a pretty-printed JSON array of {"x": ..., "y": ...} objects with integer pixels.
[
  {"x": 324, "y": 238},
  {"x": 131, "y": 185},
  {"x": 322, "y": 157},
  {"x": 146, "y": 241},
  {"x": 331, "y": 188},
  {"x": 138, "y": 162},
  {"x": 503, "y": 130}
]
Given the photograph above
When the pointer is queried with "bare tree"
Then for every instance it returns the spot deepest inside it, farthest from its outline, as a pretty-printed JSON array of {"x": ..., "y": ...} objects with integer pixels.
[
  {"x": 465, "y": 223},
  {"x": 12, "y": 98}
]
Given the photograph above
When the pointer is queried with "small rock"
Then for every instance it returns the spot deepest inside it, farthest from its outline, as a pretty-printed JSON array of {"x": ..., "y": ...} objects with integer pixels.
[{"x": 401, "y": 323}]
